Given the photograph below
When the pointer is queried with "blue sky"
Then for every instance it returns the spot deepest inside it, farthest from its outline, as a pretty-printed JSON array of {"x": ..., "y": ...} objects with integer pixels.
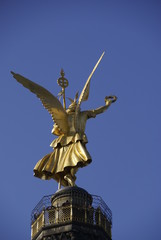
[{"x": 38, "y": 38}]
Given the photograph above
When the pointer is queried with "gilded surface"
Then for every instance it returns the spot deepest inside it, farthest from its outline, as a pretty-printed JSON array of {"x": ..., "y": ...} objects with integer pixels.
[{"x": 69, "y": 148}]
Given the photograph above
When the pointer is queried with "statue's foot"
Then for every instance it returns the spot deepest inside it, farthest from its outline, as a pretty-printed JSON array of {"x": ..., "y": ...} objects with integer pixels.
[{"x": 70, "y": 180}]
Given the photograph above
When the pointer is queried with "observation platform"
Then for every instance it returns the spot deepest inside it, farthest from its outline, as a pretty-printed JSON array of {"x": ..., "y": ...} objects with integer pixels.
[{"x": 71, "y": 213}]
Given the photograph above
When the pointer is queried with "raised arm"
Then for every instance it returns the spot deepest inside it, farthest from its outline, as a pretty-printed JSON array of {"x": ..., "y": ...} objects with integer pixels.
[{"x": 108, "y": 101}]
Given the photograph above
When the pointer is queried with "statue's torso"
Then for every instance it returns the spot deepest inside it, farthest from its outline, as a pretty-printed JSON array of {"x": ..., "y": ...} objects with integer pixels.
[
  {"x": 77, "y": 125},
  {"x": 75, "y": 133}
]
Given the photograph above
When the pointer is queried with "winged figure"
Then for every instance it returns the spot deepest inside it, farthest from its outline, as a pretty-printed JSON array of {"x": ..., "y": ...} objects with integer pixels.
[{"x": 69, "y": 148}]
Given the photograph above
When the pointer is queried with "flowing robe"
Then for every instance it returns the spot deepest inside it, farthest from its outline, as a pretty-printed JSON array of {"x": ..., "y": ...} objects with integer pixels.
[{"x": 69, "y": 150}]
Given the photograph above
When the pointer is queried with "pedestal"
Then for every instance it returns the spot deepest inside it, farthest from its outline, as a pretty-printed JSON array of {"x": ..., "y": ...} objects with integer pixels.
[{"x": 71, "y": 213}]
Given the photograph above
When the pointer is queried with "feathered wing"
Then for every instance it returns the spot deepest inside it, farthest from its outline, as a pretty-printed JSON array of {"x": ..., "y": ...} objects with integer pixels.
[
  {"x": 50, "y": 102},
  {"x": 85, "y": 92}
]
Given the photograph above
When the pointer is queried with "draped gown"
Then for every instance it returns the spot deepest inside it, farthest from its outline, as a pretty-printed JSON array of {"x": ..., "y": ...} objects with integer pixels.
[{"x": 69, "y": 150}]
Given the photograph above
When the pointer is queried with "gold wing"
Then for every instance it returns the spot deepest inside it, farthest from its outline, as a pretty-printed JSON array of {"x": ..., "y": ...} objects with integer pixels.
[
  {"x": 85, "y": 92},
  {"x": 50, "y": 102}
]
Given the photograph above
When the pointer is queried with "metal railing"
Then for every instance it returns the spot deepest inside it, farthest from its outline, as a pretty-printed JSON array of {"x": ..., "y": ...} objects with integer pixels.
[{"x": 97, "y": 213}]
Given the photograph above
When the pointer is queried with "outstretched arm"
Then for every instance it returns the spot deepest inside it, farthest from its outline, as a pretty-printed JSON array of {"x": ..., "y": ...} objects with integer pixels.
[{"x": 108, "y": 101}]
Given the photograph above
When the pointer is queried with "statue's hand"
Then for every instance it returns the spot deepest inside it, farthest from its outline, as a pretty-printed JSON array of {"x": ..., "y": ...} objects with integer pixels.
[{"x": 110, "y": 99}]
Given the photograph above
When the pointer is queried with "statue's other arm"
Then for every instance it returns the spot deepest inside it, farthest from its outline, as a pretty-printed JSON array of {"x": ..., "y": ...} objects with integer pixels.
[{"x": 108, "y": 101}]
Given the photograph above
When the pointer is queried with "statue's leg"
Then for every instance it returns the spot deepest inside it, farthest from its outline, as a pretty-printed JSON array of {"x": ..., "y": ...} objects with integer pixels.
[
  {"x": 73, "y": 172},
  {"x": 70, "y": 176},
  {"x": 69, "y": 179}
]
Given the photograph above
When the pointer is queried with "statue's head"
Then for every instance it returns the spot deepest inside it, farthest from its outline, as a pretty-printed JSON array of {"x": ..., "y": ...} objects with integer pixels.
[{"x": 73, "y": 105}]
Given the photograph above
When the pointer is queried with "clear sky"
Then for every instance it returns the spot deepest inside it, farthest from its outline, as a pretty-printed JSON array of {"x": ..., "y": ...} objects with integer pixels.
[{"x": 37, "y": 39}]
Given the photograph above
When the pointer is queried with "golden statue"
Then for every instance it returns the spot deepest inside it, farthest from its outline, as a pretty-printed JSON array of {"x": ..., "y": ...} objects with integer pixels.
[{"x": 70, "y": 151}]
